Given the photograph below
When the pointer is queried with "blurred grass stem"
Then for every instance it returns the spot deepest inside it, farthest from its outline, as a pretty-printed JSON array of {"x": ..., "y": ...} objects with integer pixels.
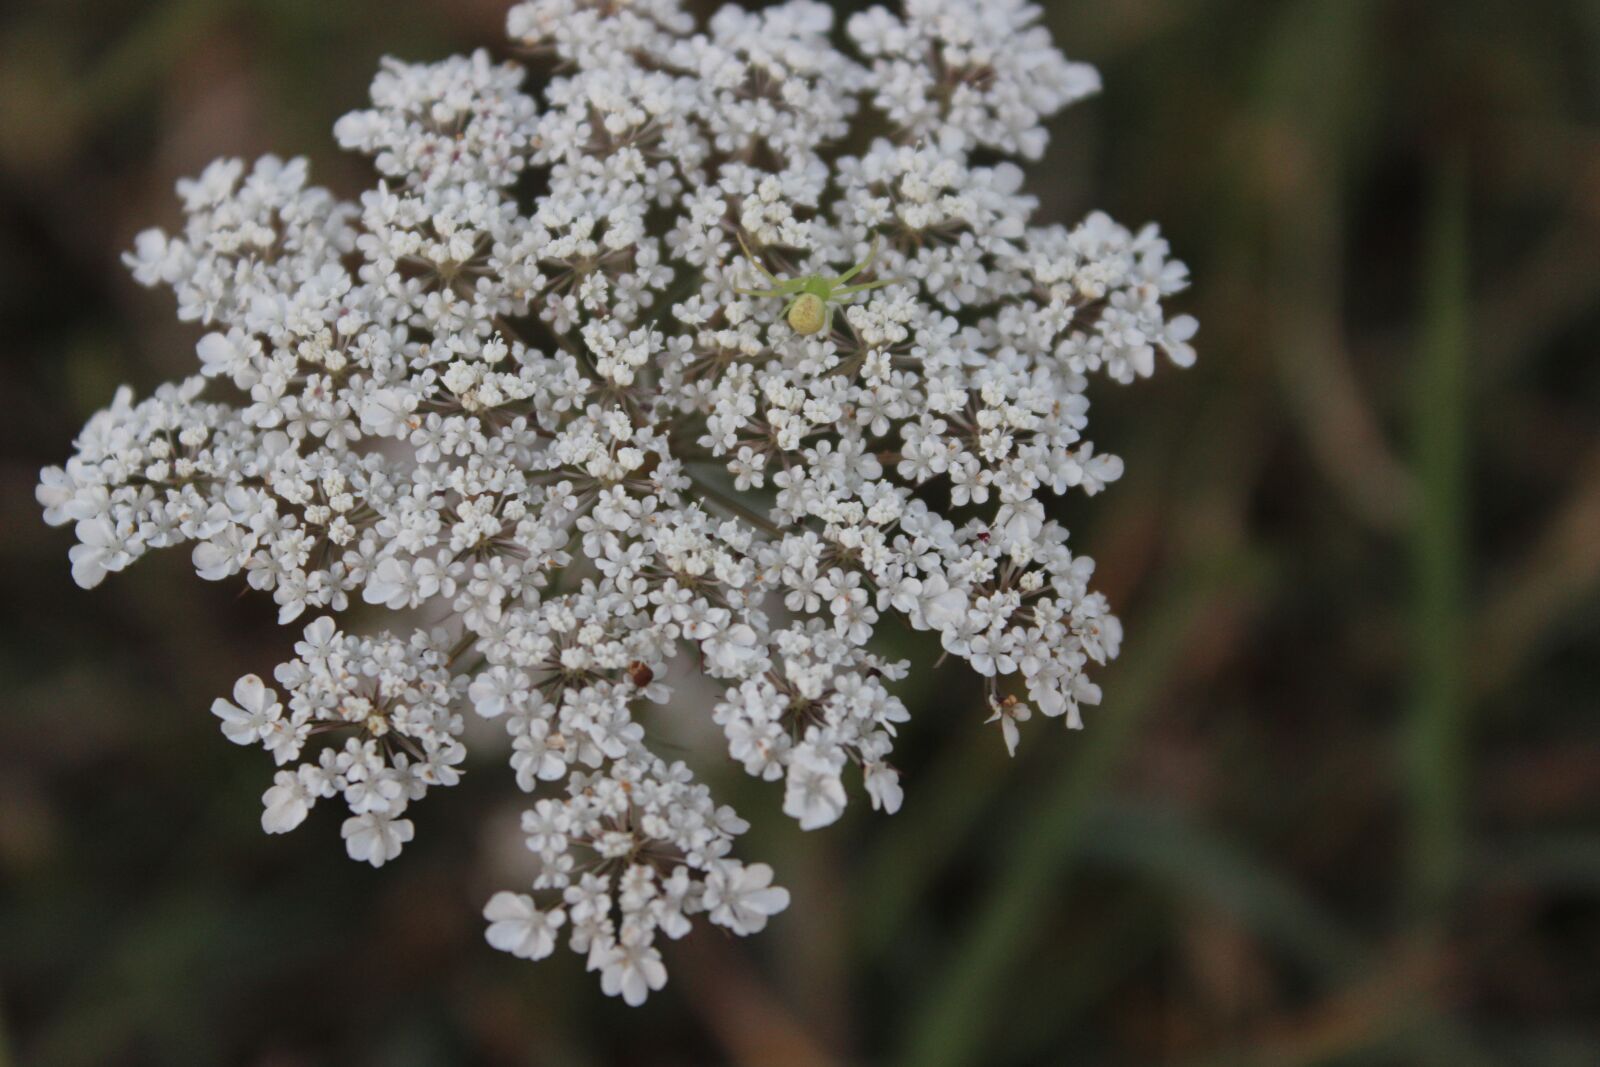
[{"x": 1435, "y": 745}]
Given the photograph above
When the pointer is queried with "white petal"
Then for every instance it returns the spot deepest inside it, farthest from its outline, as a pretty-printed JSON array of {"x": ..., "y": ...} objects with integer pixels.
[{"x": 251, "y": 694}]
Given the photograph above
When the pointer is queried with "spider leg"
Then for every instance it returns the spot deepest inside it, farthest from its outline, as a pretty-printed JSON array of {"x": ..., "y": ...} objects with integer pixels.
[
  {"x": 751, "y": 256},
  {"x": 783, "y": 287},
  {"x": 879, "y": 284},
  {"x": 863, "y": 265}
]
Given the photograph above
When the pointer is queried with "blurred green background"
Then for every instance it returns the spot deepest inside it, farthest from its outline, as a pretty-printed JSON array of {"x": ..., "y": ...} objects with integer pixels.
[{"x": 1341, "y": 806}]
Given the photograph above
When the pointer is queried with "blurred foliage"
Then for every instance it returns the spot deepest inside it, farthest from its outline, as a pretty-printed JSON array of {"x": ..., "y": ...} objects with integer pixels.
[{"x": 1342, "y": 804}]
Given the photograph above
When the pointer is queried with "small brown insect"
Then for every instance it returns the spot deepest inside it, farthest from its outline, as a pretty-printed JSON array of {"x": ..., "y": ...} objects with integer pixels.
[{"x": 641, "y": 674}]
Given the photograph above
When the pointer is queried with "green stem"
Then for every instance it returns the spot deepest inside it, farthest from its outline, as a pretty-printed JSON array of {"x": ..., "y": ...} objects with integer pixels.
[{"x": 1434, "y": 742}]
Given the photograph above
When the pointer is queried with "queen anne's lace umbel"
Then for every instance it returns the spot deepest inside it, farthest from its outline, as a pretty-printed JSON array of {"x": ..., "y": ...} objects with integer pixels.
[{"x": 513, "y": 392}]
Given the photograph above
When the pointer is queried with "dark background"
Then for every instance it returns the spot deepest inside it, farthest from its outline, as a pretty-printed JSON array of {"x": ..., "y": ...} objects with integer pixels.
[{"x": 1340, "y": 806}]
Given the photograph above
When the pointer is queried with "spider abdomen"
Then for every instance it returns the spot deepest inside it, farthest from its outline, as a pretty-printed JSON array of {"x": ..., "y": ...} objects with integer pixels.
[{"x": 808, "y": 314}]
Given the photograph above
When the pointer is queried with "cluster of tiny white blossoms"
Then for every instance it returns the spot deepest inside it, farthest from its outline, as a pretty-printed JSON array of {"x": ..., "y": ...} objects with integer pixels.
[{"x": 521, "y": 393}]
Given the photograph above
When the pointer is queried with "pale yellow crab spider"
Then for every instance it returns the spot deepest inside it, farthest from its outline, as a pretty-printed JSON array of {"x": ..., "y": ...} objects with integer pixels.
[{"x": 811, "y": 310}]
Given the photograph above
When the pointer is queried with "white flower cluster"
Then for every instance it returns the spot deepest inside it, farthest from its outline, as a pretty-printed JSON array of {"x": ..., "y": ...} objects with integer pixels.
[
  {"x": 982, "y": 71},
  {"x": 393, "y": 704},
  {"x": 522, "y": 390}
]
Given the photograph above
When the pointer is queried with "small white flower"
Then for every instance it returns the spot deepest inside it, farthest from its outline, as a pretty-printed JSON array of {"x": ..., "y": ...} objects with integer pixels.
[
  {"x": 493, "y": 691},
  {"x": 100, "y": 550},
  {"x": 57, "y": 494},
  {"x": 883, "y": 786},
  {"x": 250, "y": 715},
  {"x": 631, "y": 968},
  {"x": 374, "y": 838},
  {"x": 743, "y": 897},
  {"x": 814, "y": 793},
  {"x": 387, "y": 412},
  {"x": 518, "y": 927},
  {"x": 286, "y": 804},
  {"x": 1008, "y": 713}
]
